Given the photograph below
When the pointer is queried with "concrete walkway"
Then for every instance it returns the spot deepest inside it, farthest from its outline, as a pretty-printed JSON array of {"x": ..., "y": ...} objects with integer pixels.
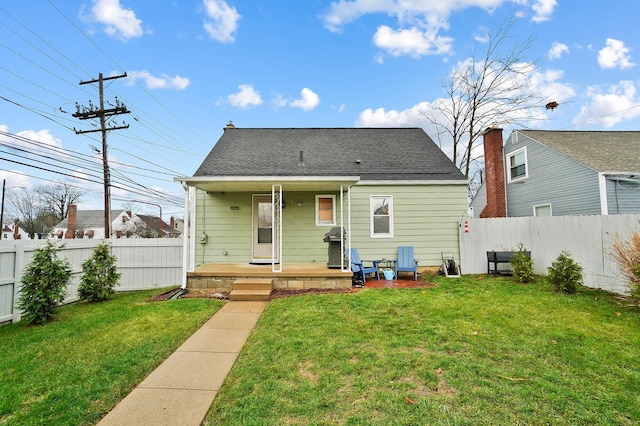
[{"x": 181, "y": 389}]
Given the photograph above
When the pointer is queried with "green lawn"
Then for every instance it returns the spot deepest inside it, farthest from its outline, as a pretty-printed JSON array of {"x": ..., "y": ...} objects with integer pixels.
[
  {"x": 472, "y": 351},
  {"x": 73, "y": 370}
]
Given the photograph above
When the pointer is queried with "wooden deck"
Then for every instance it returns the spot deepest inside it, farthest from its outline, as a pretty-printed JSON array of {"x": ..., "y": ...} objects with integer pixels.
[{"x": 220, "y": 276}]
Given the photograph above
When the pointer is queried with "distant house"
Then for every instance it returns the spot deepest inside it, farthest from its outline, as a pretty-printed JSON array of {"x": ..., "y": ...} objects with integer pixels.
[
  {"x": 124, "y": 224},
  {"x": 269, "y": 195},
  {"x": 556, "y": 173},
  {"x": 14, "y": 232}
]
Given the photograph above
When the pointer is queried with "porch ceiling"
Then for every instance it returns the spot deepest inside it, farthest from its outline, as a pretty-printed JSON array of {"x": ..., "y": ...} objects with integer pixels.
[{"x": 261, "y": 184}]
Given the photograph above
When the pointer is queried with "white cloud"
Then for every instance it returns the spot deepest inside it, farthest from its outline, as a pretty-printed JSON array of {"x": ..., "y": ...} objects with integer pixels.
[
  {"x": 379, "y": 117},
  {"x": 25, "y": 138},
  {"x": 557, "y": 49},
  {"x": 420, "y": 22},
  {"x": 412, "y": 41},
  {"x": 246, "y": 97},
  {"x": 543, "y": 9},
  {"x": 162, "y": 82},
  {"x": 308, "y": 101},
  {"x": 614, "y": 55},
  {"x": 222, "y": 20},
  {"x": 608, "y": 109},
  {"x": 119, "y": 22}
]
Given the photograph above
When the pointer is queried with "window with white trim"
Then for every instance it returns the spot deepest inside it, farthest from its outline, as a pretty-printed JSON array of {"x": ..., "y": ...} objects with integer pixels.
[
  {"x": 517, "y": 163},
  {"x": 381, "y": 216},
  {"x": 542, "y": 210},
  {"x": 325, "y": 210}
]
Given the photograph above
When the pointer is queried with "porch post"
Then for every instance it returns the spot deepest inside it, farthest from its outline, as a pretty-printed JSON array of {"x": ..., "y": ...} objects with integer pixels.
[
  {"x": 345, "y": 268},
  {"x": 276, "y": 227}
]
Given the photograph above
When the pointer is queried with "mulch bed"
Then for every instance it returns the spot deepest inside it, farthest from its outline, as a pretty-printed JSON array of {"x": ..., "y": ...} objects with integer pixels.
[{"x": 279, "y": 293}]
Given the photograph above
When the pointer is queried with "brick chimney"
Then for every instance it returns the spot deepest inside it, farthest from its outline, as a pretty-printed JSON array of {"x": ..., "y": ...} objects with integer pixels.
[
  {"x": 172, "y": 222},
  {"x": 16, "y": 229},
  {"x": 494, "y": 170},
  {"x": 72, "y": 214}
]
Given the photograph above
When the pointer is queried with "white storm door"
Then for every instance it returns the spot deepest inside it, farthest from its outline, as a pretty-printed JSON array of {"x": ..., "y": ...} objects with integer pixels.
[{"x": 262, "y": 228}]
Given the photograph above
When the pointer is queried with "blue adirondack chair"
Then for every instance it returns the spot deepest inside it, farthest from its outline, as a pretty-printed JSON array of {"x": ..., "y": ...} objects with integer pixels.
[
  {"x": 358, "y": 267},
  {"x": 406, "y": 262}
]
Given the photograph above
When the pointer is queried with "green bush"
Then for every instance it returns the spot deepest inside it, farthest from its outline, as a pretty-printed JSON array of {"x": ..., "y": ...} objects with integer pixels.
[
  {"x": 522, "y": 265},
  {"x": 100, "y": 275},
  {"x": 565, "y": 275},
  {"x": 44, "y": 284}
]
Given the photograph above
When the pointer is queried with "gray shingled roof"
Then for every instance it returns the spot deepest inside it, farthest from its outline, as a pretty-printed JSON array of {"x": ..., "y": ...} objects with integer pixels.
[
  {"x": 88, "y": 219},
  {"x": 601, "y": 150},
  {"x": 384, "y": 154}
]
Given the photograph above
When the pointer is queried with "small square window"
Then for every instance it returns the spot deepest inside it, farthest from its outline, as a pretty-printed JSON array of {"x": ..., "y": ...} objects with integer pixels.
[{"x": 325, "y": 210}]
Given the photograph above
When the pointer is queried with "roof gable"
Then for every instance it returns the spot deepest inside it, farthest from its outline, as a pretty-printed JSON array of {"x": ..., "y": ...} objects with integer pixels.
[
  {"x": 603, "y": 151},
  {"x": 371, "y": 153}
]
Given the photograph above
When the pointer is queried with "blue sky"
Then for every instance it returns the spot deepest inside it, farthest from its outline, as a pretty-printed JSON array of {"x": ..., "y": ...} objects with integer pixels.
[{"x": 193, "y": 66}]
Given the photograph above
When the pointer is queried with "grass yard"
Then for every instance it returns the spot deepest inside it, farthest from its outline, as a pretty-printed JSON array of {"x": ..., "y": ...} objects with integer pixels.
[
  {"x": 472, "y": 351},
  {"x": 73, "y": 370}
]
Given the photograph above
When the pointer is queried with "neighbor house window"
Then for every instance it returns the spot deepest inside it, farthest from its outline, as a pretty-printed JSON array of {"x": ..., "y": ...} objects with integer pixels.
[
  {"x": 517, "y": 162},
  {"x": 325, "y": 210},
  {"x": 542, "y": 210},
  {"x": 381, "y": 216}
]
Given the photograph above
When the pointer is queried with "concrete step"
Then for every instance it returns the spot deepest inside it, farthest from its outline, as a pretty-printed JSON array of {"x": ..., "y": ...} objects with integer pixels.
[
  {"x": 249, "y": 295},
  {"x": 251, "y": 289},
  {"x": 253, "y": 284}
]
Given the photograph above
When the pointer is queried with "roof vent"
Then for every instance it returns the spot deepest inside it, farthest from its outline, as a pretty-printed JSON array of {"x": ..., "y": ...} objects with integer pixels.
[
  {"x": 229, "y": 125},
  {"x": 301, "y": 162}
]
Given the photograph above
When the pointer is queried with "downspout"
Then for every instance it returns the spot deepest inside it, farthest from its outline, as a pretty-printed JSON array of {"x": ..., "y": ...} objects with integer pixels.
[{"x": 602, "y": 181}]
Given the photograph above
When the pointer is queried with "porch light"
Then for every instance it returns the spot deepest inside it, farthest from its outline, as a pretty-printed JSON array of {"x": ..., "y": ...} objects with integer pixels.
[{"x": 300, "y": 203}]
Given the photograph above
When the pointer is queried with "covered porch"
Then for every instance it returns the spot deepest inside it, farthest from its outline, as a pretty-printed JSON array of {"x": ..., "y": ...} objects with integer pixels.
[{"x": 221, "y": 276}]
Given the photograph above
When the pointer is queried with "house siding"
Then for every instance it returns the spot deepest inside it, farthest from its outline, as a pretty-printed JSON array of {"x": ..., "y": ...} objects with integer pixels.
[
  {"x": 553, "y": 178},
  {"x": 425, "y": 216},
  {"x": 230, "y": 231},
  {"x": 622, "y": 197}
]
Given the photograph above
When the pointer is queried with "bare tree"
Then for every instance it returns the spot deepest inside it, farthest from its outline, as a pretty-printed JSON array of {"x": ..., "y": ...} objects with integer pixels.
[
  {"x": 491, "y": 87},
  {"x": 57, "y": 197},
  {"x": 24, "y": 206}
]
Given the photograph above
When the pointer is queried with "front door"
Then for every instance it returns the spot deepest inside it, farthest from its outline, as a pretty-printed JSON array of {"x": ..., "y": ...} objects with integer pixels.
[{"x": 262, "y": 228}]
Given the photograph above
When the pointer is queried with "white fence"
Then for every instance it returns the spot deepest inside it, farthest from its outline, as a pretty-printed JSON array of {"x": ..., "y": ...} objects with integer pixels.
[
  {"x": 587, "y": 238},
  {"x": 143, "y": 263}
]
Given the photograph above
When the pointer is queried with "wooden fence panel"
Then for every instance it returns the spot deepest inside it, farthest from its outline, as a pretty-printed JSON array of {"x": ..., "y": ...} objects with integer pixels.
[{"x": 587, "y": 238}]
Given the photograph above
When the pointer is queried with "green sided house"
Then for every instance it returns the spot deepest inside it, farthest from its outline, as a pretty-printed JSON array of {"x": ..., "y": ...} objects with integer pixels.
[{"x": 269, "y": 204}]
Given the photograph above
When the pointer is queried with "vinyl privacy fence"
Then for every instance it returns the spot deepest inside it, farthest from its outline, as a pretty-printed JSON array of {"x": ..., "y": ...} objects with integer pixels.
[
  {"x": 143, "y": 263},
  {"x": 588, "y": 239}
]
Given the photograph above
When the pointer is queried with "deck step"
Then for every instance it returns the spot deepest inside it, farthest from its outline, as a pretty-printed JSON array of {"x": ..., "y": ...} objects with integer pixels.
[
  {"x": 251, "y": 289},
  {"x": 249, "y": 295}
]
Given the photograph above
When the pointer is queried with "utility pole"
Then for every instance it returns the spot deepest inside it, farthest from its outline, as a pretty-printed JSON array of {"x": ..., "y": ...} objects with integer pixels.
[{"x": 90, "y": 112}]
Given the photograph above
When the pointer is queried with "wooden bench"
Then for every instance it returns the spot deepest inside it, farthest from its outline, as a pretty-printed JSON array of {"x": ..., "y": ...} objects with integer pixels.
[{"x": 497, "y": 257}]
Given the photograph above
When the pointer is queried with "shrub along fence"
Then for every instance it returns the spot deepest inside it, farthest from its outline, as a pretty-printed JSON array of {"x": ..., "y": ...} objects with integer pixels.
[
  {"x": 588, "y": 239},
  {"x": 144, "y": 264}
]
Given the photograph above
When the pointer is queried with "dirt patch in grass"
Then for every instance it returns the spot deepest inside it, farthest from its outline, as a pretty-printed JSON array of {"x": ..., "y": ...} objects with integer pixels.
[{"x": 277, "y": 293}]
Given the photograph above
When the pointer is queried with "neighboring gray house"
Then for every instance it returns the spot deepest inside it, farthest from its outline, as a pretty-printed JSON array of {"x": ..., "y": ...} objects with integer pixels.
[
  {"x": 556, "y": 173},
  {"x": 271, "y": 195}
]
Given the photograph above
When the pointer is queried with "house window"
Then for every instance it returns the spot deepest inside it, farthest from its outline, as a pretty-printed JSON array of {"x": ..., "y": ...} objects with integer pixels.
[
  {"x": 517, "y": 165},
  {"x": 325, "y": 210},
  {"x": 542, "y": 210},
  {"x": 381, "y": 216}
]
